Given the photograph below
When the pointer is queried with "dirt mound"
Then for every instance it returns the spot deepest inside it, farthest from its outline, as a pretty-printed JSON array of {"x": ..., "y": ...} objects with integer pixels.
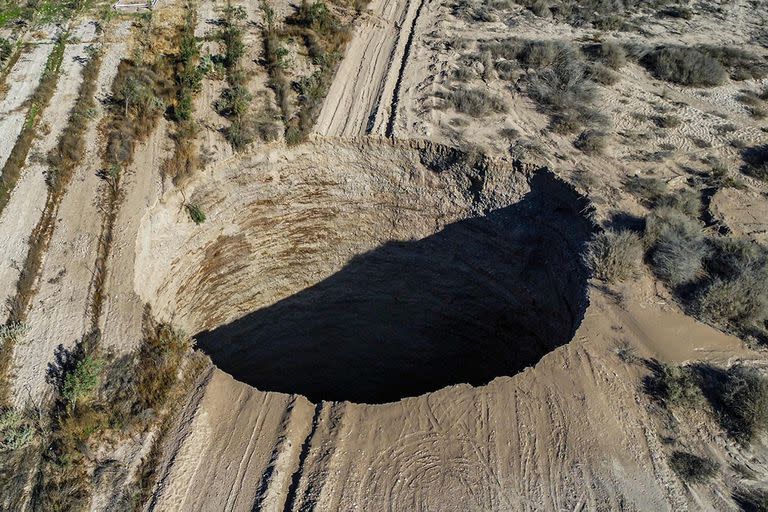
[{"x": 399, "y": 274}]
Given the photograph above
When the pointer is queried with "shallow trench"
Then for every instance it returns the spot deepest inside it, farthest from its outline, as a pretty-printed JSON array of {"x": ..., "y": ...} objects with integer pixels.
[{"x": 371, "y": 272}]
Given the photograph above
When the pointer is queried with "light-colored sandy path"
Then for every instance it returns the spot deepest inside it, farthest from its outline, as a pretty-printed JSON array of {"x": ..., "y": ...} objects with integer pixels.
[
  {"x": 264, "y": 434},
  {"x": 60, "y": 313},
  {"x": 122, "y": 312},
  {"x": 28, "y": 198},
  {"x": 22, "y": 81},
  {"x": 360, "y": 98}
]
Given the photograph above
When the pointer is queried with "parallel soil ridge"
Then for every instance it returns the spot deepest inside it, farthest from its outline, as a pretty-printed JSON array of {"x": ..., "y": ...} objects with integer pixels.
[{"x": 338, "y": 275}]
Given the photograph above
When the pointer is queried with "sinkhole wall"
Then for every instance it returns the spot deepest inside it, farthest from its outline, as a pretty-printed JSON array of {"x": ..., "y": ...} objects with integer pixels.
[{"x": 370, "y": 270}]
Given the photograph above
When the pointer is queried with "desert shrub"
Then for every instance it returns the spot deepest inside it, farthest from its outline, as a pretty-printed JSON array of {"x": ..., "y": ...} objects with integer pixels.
[
  {"x": 234, "y": 101},
  {"x": 731, "y": 257},
  {"x": 592, "y": 141},
  {"x": 756, "y": 162},
  {"x": 677, "y": 11},
  {"x": 15, "y": 431},
  {"x": 613, "y": 256},
  {"x": 6, "y": 50},
  {"x": 543, "y": 54},
  {"x": 602, "y": 74},
  {"x": 82, "y": 381},
  {"x": 508, "y": 49},
  {"x": 608, "y": 53},
  {"x": 507, "y": 70},
  {"x": 737, "y": 295},
  {"x": 743, "y": 399},
  {"x": 12, "y": 333},
  {"x": 566, "y": 122},
  {"x": 692, "y": 468},
  {"x": 677, "y": 246},
  {"x": 675, "y": 385},
  {"x": 467, "y": 10},
  {"x": 741, "y": 64},
  {"x": 752, "y": 499},
  {"x": 612, "y": 55},
  {"x": 685, "y": 66},
  {"x": 648, "y": 189},
  {"x": 625, "y": 351},
  {"x": 741, "y": 301},
  {"x": 667, "y": 121},
  {"x": 196, "y": 213},
  {"x": 267, "y": 124},
  {"x": 476, "y": 102},
  {"x": 231, "y": 36},
  {"x": 160, "y": 357},
  {"x": 684, "y": 200},
  {"x": 564, "y": 85}
]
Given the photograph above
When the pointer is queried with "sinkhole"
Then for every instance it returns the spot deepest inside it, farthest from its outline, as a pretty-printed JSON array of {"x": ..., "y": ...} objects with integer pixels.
[{"x": 377, "y": 278}]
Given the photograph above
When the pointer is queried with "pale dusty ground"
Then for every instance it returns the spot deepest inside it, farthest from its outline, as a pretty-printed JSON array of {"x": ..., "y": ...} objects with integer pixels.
[
  {"x": 22, "y": 80},
  {"x": 60, "y": 313},
  {"x": 573, "y": 432}
]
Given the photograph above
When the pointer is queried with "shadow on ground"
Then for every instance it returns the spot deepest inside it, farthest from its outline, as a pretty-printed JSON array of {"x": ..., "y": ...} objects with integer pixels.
[{"x": 482, "y": 298}]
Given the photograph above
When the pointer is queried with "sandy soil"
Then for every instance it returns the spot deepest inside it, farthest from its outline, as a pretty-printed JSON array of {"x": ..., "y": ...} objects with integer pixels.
[
  {"x": 360, "y": 99},
  {"x": 28, "y": 198},
  {"x": 22, "y": 81},
  {"x": 574, "y": 433},
  {"x": 60, "y": 313}
]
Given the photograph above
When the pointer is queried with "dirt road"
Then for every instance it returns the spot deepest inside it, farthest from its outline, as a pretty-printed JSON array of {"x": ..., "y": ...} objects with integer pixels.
[{"x": 364, "y": 94}]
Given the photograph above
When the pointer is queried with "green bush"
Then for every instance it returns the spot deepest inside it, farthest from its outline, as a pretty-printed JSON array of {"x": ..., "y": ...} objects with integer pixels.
[
  {"x": 196, "y": 213},
  {"x": 685, "y": 66},
  {"x": 692, "y": 468},
  {"x": 6, "y": 50},
  {"x": 81, "y": 381},
  {"x": 614, "y": 256},
  {"x": 15, "y": 431}
]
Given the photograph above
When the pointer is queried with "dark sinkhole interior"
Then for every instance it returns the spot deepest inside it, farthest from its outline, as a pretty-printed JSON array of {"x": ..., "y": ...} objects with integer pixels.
[{"x": 484, "y": 297}]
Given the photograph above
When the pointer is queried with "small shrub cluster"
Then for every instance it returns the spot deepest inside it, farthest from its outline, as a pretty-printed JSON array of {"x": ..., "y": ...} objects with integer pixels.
[
  {"x": 756, "y": 162},
  {"x": 6, "y": 50},
  {"x": 743, "y": 400},
  {"x": 692, "y": 468},
  {"x": 739, "y": 63},
  {"x": 476, "y": 102},
  {"x": 613, "y": 256},
  {"x": 677, "y": 246},
  {"x": 99, "y": 398},
  {"x": 675, "y": 385},
  {"x": 593, "y": 142},
  {"x": 325, "y": 37},
  {"x": 735, "y": 295},
  {"x": 235, "y": 100},
  {"x": 16, "y": 432},
  {"x": 685, "y": 66},
  {"x": 752, "y": 499}
]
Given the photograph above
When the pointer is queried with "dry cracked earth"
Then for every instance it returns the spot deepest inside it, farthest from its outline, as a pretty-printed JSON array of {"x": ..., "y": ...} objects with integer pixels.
[{"x": 292, "y": 256}]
